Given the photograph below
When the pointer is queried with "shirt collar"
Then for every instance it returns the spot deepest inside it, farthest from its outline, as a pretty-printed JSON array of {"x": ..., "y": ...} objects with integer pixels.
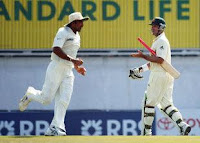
[
  {"x": 70, "y": 30},
  {"x": 162, "y": 34}
]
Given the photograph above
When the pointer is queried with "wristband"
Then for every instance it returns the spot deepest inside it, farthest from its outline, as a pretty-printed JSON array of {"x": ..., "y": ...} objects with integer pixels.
[{"x": 144, "y": 68}]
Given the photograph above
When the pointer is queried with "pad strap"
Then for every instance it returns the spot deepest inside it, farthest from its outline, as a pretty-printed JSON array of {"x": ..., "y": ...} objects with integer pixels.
[
  {"x": 146, "y": 114},
  {"x": 147, "y": 127},
  {"x": 164, "y": 110}
]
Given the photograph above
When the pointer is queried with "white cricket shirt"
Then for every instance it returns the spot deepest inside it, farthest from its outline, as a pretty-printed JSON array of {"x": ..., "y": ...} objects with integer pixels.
[
  {"x": 68, "y": 41},
  {"x": 162, "y": 48}
]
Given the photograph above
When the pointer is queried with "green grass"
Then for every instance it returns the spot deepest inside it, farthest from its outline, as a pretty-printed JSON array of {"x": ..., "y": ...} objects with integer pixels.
[{"x": 100, "y": 139}]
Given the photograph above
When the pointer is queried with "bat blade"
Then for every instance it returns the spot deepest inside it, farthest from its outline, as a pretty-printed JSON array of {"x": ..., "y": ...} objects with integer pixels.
[{"x": 170, "y": 69}]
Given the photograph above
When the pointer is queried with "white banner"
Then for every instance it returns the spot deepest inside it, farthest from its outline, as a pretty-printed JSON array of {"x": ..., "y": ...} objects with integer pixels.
[{"x": 165, "y": 127}]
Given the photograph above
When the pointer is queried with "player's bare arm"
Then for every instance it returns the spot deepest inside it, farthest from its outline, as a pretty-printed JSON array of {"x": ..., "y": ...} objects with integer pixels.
[
  {"x": 59, "y": 52},
  {"x": 151, "y": 58}
]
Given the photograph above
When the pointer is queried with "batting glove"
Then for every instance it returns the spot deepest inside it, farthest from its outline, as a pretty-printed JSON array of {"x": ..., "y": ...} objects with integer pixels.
[{"x": 135, "y": 74}]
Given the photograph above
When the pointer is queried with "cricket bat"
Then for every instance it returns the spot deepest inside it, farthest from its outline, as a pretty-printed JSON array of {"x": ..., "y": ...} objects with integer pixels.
[{"x": 165, "y": 65}]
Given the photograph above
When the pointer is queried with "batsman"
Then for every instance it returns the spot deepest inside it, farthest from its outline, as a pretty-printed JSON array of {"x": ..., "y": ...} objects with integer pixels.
[{"x": 160, "y": 85}]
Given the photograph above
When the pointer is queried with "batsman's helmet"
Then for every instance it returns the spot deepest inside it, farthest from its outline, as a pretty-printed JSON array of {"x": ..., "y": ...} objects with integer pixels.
[{"x": 158, "y": 21}]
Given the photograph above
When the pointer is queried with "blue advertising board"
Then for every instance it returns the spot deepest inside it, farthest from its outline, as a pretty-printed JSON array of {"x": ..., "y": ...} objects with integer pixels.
[{"x": 86, "y": 122}]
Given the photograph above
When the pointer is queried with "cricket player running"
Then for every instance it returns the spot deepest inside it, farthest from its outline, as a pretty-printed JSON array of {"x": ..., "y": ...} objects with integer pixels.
[
  {"x": 160, "y": 84},
  {"x": 59, "y": 78}
]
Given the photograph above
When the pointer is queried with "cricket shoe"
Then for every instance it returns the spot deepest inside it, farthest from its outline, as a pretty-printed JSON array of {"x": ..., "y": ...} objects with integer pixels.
[
  {"x": 185, "y": 129},
  {"x": 23, "y": 104},
  {"x": 54, "y": 131}
]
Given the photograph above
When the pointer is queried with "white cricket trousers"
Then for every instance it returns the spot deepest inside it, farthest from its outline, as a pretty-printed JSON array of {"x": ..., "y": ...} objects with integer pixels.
[
  {"x": 160, "y": 89},
  {"x": 58, "y": 84}
]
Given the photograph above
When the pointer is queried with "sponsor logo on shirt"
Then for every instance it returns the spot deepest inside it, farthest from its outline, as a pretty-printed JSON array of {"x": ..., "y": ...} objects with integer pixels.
[{"x": 161, "y": 47}]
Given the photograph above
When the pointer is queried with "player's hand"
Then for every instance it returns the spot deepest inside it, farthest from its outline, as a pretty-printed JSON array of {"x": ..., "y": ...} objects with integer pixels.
[
  {"x": 77, "y": 62},
  {"x": 139, "y": 54},
  {"x": 81, "y": 70},
  {"x": 135, "y": 74}
]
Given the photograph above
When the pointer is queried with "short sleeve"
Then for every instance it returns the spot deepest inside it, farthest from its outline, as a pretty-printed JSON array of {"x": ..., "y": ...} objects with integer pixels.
[
  {"x": 60, "y": 38},
  {"x": 161, "y": 49}
]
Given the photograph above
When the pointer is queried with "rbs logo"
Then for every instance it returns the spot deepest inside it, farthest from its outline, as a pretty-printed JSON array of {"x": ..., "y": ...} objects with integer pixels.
[
  {"x": 112, "y": 127},
  {"x": 25, "y": 127}
]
